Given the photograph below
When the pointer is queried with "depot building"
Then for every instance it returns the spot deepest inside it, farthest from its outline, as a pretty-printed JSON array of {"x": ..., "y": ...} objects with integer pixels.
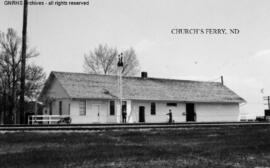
[{"x": 91, "y": 98}]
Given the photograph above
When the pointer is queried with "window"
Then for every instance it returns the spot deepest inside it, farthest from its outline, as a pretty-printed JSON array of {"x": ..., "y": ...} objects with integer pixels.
[
  {"x": 153, "y": 108},
  {"x": 60, "y": 107},
  {"x": 68, "y": 109},
  {"x": 112, "y": 108},
  {"x": 172, "y": 104},
  {"x": 82, "y": 108}
]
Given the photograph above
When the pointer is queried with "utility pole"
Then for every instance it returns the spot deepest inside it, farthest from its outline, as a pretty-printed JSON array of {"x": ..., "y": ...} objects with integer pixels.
[
  {"x": 267, "y": 98},
  {"x": 23, "y": 58}
]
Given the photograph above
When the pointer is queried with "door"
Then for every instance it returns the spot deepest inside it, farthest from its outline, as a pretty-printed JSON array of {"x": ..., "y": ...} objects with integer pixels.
[
  {"x": 124, "y": 111},
  {"x": 50, "y": 110},
  {"x": 124, "y": 106},
  {"x": 96, "y": 112},
  {"x": 141, "y": 114},
  {"x": 190, "y": 112}
]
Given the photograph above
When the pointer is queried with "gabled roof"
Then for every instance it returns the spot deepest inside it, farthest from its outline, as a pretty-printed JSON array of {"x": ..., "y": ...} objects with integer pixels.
[{"x": 92, "y": 86}]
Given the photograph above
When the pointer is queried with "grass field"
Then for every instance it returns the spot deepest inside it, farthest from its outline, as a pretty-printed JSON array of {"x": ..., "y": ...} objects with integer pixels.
[{"x": 201, "y": 147}]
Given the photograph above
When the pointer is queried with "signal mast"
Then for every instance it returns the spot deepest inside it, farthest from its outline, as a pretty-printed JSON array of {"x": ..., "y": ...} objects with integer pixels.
[{"x": 120, "y": 85}]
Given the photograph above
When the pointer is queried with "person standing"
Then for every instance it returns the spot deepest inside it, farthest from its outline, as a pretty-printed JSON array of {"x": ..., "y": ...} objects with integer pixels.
[
  {"x": 170, "y": 116},
  {"x": 124, "y": 116}
]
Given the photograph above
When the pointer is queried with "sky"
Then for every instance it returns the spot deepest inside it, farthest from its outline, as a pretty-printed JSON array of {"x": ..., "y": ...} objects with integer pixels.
[{"x": 63, "y": 34}]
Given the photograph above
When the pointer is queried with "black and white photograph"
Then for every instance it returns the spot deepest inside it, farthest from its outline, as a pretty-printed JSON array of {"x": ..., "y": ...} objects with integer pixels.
[{"x": 134, "y": 83}]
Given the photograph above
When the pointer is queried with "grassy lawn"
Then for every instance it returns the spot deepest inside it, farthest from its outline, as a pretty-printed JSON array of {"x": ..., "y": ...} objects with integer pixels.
[{"x": 201, "y": 147}]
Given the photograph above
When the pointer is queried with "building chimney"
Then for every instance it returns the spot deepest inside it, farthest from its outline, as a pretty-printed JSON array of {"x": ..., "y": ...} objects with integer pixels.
[
  {"x": 144, "y": 75},
  {"x": 222, "y": 82}
]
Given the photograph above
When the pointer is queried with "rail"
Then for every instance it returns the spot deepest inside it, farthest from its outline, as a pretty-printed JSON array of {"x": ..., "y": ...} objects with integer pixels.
[
  {"x": 45, "y": 119},
  {"x": 95, "y": 127}
]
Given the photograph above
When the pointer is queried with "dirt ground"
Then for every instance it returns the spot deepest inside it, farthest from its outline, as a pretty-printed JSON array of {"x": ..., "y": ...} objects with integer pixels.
[{"x": 246, "y": 146}]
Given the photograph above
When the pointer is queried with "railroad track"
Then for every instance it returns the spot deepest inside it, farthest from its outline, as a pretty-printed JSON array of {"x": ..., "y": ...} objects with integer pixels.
[{"x": 93, "y": 127}]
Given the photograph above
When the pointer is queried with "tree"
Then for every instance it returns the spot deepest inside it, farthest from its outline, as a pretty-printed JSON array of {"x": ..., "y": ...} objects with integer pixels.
[
  {"x": 10, "y": 70},
  {"x": 103, "y": 60},
  {"x": 34, "y": 81},
  {"x": 131, "y": 63},
  {"x": 9, "y": 62}
]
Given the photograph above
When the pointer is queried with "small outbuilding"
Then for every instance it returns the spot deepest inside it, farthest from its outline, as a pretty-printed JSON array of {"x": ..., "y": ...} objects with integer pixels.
[{"x": 91, "y": 98}]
